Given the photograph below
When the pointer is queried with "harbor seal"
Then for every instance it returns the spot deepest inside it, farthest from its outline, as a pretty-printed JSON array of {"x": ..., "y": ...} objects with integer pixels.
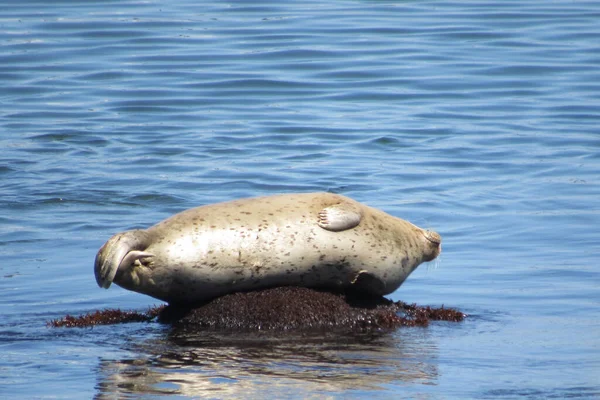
[{"x": 319, "y": 240}]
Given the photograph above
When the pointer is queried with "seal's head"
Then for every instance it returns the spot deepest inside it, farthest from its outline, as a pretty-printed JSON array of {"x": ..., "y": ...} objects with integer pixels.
[{"x": 433, "y": 245}]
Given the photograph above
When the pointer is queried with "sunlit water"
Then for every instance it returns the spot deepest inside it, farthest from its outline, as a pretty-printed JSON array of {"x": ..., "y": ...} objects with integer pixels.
[{"x": 478, "y": 120}]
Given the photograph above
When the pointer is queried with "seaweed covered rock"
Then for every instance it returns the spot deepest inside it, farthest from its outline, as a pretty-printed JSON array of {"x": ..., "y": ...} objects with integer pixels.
[
  {"x": 278, "y": 309},
  {"x": 300, "y": 308},
  {"x": 107, "y": 316}
]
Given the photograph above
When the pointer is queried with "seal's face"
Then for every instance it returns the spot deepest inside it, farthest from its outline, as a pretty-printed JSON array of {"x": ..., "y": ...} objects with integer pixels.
[{"x": 433, "y": 245}]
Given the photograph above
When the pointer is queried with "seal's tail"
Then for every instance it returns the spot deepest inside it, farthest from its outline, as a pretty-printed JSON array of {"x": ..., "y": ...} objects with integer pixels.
[{"x": 121, "y": 249}]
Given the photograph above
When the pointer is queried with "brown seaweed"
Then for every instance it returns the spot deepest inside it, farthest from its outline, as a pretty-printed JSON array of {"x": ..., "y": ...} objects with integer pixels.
[
  {"x": 107, "y": 316},
  {"x": 299, "y": 308},
  {"x": 279, "y": 309}
]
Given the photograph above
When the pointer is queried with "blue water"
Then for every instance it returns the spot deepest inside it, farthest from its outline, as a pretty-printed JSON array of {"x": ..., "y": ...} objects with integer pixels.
[{"x": 477, "y": 119}]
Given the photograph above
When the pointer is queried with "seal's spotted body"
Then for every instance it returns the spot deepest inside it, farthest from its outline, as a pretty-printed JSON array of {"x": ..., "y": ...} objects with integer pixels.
[{"x": 313, "y": 240}]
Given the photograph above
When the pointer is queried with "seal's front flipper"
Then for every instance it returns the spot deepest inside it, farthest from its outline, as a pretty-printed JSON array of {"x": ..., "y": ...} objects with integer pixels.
[
  {"x": 366, "y": 282},
  {"x": 339, "y": 217}
]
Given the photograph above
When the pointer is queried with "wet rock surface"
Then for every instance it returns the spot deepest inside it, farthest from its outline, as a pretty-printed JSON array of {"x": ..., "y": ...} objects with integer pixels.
[{"x": 279, "y": 309}]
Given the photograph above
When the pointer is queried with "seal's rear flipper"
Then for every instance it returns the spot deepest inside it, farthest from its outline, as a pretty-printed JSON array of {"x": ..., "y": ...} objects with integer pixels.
[
  {"x": 339, "y": 217},
  {"x": 134, "y": 256},
  {"x": 122, "y": 249}
]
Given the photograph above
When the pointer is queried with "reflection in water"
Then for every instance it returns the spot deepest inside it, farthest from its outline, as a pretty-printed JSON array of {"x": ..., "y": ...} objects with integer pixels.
[{"x": 229, "y": 365}]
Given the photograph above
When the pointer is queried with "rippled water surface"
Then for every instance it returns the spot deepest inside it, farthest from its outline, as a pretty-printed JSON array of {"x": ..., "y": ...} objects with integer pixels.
[{"x": 477, "y": 119}]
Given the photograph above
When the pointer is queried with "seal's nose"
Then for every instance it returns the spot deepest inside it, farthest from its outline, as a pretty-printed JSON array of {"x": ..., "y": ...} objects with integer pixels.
[
  {"x": 433, "y": 237},
  {"x": 435, "y": 245}
]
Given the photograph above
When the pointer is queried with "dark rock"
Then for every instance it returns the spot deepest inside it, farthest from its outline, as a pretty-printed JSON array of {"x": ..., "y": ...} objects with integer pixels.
[
  {"x": 278, "y": 309},
  {"x": 299, "y": 308}
]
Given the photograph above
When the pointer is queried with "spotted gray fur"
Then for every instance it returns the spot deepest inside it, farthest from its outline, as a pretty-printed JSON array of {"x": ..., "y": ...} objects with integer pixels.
[{"x": 314, "y": 239}]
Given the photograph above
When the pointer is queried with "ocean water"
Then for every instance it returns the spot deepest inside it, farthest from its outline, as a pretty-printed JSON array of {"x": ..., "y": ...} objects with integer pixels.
[{"x": 480, "y": 120}]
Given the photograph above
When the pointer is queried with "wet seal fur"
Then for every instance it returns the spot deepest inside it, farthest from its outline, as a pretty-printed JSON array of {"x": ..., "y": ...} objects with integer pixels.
[{"x": 318, "y": 240}]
